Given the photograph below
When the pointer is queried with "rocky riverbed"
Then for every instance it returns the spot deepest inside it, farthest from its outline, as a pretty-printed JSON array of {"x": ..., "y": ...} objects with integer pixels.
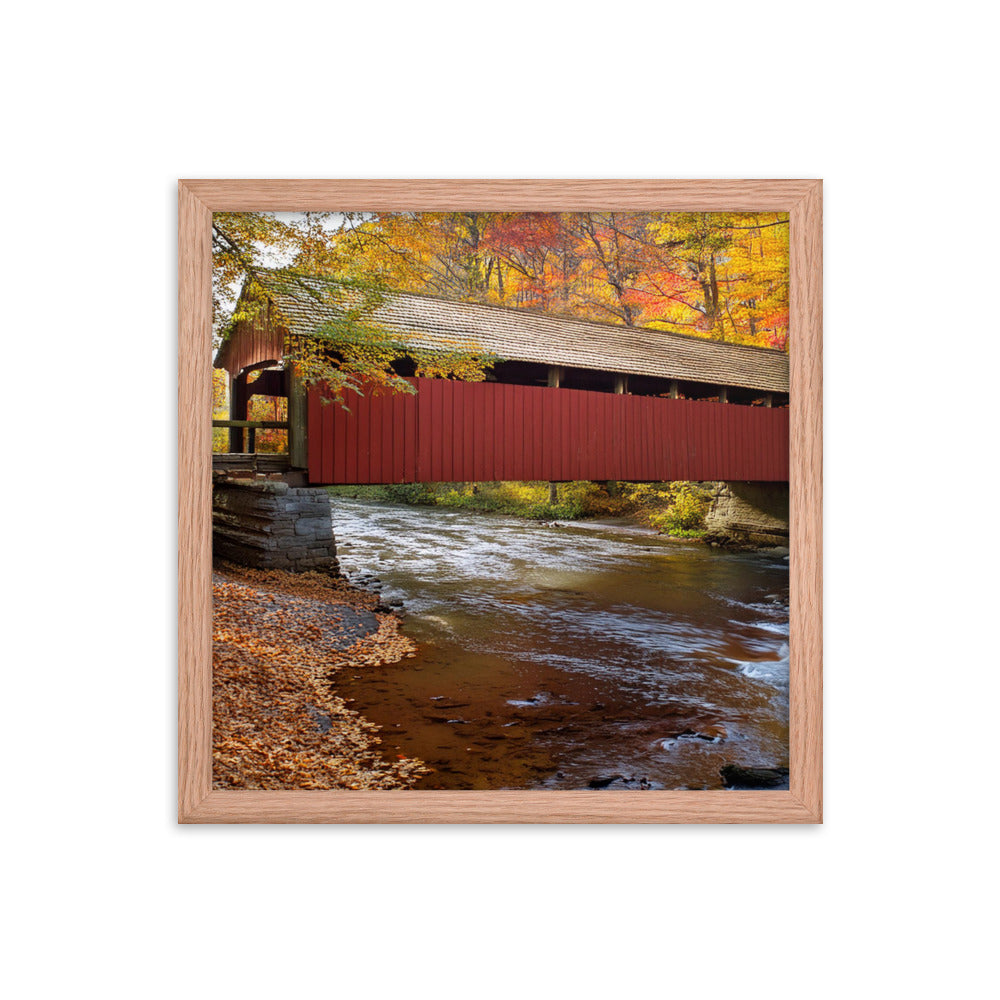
[{"x": 279, "y": 639}]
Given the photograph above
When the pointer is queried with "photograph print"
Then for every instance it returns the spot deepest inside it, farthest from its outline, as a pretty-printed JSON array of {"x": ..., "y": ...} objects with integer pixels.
[{"x": 500, "y": 500}]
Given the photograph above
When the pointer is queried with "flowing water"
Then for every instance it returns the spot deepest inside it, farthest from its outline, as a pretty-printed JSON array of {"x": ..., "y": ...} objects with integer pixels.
[{"x": 572, "y": 655}]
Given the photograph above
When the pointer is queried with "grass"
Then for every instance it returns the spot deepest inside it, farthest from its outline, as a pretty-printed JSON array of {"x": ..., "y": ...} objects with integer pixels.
[{"x": 675, "y": 509}]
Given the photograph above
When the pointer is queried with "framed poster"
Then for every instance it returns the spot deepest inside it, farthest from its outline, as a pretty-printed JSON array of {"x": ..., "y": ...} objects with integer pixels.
[{"x": 544, "y": 349}]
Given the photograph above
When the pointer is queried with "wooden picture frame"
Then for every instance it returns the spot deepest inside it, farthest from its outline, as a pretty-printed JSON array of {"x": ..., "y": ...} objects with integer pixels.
[{"x": 199, "y": 803}]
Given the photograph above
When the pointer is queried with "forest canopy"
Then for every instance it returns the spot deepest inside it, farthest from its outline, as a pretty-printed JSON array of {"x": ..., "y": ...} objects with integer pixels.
[{"x": 720, "y": 275}]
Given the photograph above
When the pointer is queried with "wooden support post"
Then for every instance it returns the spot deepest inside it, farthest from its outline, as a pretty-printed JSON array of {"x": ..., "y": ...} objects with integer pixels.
[
  {"x": 621, "y": 384},
  {"x": 675, "y": 390},
  {"x": 723, "y": 394},
  {"x": 769, "y": 400},
  {"x": 298, "y": 454},
  {"x": 553, "y": 493},
  {"x": 238, "y": 397}
]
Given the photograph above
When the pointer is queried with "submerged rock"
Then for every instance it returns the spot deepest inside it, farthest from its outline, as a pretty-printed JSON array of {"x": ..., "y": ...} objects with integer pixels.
[
  {"x": 734, "y": 776},
  {"x": 604, "y": 782}
]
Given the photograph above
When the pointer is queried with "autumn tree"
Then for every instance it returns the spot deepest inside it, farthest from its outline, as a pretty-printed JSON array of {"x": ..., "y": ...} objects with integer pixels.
[
  {"x": 351, "y": 351},
  {"x": 720, "y": 275}
]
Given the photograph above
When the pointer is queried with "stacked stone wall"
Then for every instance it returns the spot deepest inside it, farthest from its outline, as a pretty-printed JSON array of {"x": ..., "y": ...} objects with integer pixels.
[{"x": 271, "y": 525}]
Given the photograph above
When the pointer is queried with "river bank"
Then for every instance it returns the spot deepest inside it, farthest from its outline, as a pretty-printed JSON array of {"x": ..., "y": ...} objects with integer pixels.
[
  {"x": 674, "y": 509},
  {"x": 279, "y": 639}
]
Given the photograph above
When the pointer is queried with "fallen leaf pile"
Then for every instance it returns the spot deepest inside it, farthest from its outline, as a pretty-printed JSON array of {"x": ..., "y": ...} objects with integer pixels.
[{"x": 278, "y": 640}]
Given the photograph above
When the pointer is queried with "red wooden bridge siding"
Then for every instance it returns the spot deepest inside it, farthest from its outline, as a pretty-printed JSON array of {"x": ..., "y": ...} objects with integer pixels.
[{"x": 486, "y": 431}]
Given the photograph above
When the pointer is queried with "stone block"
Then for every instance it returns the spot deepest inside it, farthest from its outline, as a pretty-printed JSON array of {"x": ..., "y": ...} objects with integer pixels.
[{"x": 311, "y": 526}]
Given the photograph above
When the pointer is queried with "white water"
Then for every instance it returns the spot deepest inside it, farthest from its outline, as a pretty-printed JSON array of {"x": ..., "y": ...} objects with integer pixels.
[{"x": 534, "y": 620}]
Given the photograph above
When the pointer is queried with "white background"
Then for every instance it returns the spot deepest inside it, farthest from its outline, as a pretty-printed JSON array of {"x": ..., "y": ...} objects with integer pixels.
[{"x": 107, "y": 105}]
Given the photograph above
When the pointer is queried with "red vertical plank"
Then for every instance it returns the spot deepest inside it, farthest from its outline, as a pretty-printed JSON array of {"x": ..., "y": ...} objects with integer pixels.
[
  {"x": 719, "y": 415},
  {"x": 655, "y": 431},
  {"x": 596, "y": 435},
  {"x": 490, "y": 420},
  {"x": 436, "y": 404},
  {"x": 661, "y": 435},
  {"x": 642, "y": 439},
  {"x": 345, "y": 444},
  {"x": 541, "y": 431},
  {"x": 453, "y": 450},
  {"x": 442, "y": 421},
  {"x": 584, "y": 404},
  {"x": 465, "y": 437},
  {"x": 313, "y": 432},
  {"x": 552, "y": 430},
  {"x": 569, "y": 432},
  {"x": 583, "y": 407},
  {"x": 336, "y": 443},
  {"x": 420, "y": 460},
  {"x": 654, "y": 468},
  {"x": 530, "y": 399},
  {"x": 692, "y": 451},
  {"x": 786, "y": 460},
  {"x": 739, "y": 438},
  {"x": 711, "y": 438},
  {"x": 623, "y": 442},
  {"x": 489, "y": 430},
  {"x": 364, "y": 412},
  {"x": 501, "y": 436},
  {"x": 451, "y": 405},
  {"x": 754, "y": 414},
  {"x": 711, "y": 428},
  {"x": 614, "y": 437},
  {"x": 513, "y": 423},
  {"x": 484, "y": 465},
  {"x": 703, "y": 439},
  {"x": 398, "y": 424},
  {"x": 572, "y": 432},
  {"x": 326, "y": 440},
  {"x": 506, "y": 421},
  {"x": 382, "y": 407},
  {"x": 390, "y": 461},
  {"x": 620, "y": 437},
  {"x": 394, "y": 412},
  {"x": 374, "y": 438},
  {"x": 545, "y": 430},
  {"x": 501, "y": 430},
  {"x": 426, "y": 422},
  {"x": 598, "y": 423},
  {"x": 410, "y": 430}
]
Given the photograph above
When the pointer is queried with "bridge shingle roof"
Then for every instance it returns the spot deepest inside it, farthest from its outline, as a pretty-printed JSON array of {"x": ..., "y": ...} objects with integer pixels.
[{"x": 428, "y": 322}]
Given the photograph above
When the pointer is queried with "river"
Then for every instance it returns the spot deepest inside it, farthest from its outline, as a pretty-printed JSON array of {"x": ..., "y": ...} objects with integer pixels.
[{"x": 569, "y": 656}]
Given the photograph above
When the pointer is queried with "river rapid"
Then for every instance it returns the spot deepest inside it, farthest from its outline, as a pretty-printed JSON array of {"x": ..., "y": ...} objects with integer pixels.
[{"x": 569, "y": 656}]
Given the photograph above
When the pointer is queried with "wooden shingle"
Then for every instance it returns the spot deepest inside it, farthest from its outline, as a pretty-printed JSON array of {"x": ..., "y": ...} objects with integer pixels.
[{"x": 428, "y": 322}]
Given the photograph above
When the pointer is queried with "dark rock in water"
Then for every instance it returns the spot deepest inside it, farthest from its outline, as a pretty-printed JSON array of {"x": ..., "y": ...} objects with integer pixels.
[
  {"x": 603, "y": 782},
  {"x": 734, "y": 776}
]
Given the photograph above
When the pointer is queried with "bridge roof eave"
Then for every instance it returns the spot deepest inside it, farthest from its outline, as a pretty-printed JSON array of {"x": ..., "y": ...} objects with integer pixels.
[{"x": 430, "y": 323}]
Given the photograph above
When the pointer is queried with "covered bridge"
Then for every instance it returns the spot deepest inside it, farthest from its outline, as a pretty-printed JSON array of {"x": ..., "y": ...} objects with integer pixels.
[{"x": 568, "y": 399}]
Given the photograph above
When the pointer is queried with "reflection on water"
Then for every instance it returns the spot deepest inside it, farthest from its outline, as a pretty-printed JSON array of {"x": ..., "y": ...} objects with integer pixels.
[{"x": 560, "y": 656}]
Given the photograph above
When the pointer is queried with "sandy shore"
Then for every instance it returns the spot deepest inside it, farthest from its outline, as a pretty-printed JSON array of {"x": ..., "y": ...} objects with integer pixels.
[{"x": 278, "y": 641}]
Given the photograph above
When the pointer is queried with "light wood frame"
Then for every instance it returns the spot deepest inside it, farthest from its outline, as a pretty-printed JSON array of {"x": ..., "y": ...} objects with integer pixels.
[{"x": 198, "y": 802}]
